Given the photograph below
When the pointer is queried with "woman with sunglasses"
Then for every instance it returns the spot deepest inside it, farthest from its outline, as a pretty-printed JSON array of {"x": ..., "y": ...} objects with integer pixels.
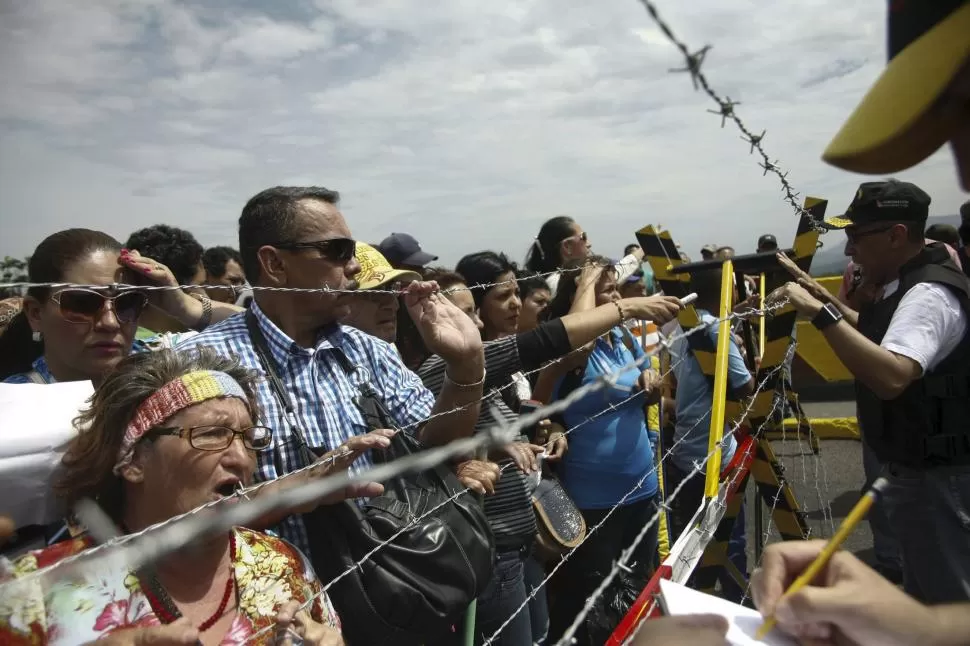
[
  {"x": 562, "y": 240},
  {"x": 81, "y": 331},
  {"x": 166, "y": 433}
]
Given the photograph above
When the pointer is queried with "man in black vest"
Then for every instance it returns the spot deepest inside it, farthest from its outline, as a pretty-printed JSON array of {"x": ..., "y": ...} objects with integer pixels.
[{"x": 910, "y": 354}]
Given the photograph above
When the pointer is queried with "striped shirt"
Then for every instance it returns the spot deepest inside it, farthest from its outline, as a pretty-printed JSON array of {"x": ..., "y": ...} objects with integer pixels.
[
  {"x": 509, "y": 509},
  {"x": 321, "y": 391}
]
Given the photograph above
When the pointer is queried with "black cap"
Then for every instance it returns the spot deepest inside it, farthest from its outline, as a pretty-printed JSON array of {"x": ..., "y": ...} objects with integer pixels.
[
  {"x": 403, "y": 249},
  {"x": 910, "y": 19},
  {"x": 888, "y": 201},
  {"x": 767, "y": 242}
]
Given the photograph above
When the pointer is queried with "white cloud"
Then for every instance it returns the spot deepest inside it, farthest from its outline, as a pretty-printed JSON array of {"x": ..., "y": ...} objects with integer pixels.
[{"x": 466, "y": 123}]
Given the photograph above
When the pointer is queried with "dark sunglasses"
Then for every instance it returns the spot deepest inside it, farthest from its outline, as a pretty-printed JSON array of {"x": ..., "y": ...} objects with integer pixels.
[
  {"x": 854, "y": 235},
  {"x": 86, "y": 305},
  {"x": 336, "y": 249}
]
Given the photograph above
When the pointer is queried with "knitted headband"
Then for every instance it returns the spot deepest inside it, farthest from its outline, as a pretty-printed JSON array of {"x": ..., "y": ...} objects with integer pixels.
[{"x": 187, "y": 390}]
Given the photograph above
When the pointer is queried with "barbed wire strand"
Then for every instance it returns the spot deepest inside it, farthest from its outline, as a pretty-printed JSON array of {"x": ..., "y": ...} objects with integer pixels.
[
  {"x": 626, "y": 554},
  {"x": 286, "y": 290},
  {"x": 726, "y": 110}
]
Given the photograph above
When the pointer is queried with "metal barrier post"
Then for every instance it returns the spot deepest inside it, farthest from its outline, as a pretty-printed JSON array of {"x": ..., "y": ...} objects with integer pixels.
[{"x": 720, "y": 381}]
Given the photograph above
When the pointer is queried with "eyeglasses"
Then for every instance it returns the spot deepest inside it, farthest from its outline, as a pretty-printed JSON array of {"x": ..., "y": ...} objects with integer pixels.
[
  {"x": 854, "y": 236},
  {"x": 336, "y": 249},
  {"x": 217, "y": 438},
  {"x": 86, "y": 305}
]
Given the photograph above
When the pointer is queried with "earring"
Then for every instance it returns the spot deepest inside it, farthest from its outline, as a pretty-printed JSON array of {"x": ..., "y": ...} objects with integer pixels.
[{"x": 37, "y": 337}]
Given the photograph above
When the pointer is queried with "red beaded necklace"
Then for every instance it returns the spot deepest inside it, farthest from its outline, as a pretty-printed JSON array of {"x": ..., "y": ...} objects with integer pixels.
[{"x": 165, "y": 607}]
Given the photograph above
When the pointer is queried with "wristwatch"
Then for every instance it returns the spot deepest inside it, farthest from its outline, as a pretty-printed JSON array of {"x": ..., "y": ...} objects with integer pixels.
[{"x": 828, "y": 315}]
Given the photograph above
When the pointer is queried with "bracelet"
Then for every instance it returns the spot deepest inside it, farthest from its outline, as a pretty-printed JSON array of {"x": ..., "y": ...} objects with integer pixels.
[
  {"x": 619, "y": 308},
  {"x": 476, "y": 384},
  {"x": 206, "y": 317}
]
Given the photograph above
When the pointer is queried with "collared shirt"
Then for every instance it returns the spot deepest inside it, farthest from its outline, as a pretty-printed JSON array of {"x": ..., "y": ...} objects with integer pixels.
[
  {"x": 321, "y": 391},
  {"x": 40, "y": 367}
]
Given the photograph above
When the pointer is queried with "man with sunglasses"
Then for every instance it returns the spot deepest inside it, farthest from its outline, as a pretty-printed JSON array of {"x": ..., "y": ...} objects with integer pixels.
[
  {"x": 299, "y": 256},
  {"x": 910, "y": 354}
]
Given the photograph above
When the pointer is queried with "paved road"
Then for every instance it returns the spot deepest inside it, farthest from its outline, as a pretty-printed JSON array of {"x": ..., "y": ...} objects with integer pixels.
[{"x": 832, "y": 480}]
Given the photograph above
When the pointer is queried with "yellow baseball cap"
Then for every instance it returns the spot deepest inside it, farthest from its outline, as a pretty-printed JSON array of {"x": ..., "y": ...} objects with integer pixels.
[
  {"x": 376, "y": 271},
  {"x": 893, "y": 128}
]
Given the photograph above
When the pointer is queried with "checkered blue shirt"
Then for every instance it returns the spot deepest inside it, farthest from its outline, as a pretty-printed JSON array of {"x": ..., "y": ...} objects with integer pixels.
[{"x": 321, "y": 391}]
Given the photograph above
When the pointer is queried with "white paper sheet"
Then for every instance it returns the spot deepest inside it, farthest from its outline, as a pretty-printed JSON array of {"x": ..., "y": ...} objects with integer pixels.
[
  {"x": 36, "y": 424},
  {"x": 744, "y": 622}
]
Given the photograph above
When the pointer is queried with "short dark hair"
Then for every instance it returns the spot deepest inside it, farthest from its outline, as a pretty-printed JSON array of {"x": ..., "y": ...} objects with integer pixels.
[
  {"x": 530, "y": 282},
  {"x": 175, "y": 248},
  {"x": 965, "y": 210},
  {"x": 215, "y": 260},
  {"x": 483, "y": 268},
  {"x": 445, "y": 277},
  {"x": 630, "y": 248},
  {"x": 272, "y": 216}
]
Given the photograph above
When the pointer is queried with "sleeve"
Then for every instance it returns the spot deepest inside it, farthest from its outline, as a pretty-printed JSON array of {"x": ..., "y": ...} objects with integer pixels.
[
  {"x": 546, "y": 342},
  {"x": 926, "y": 326},
  {"x": 627, "y": 266},
  {"x": 501, "y": 362},
  {"x": 737, "y": 372},
  {"x": 407, "y": 399}
]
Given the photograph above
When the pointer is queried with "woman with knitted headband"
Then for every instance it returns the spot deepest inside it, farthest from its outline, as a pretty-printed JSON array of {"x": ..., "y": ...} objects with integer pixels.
[{"x": 165, "y": 433}]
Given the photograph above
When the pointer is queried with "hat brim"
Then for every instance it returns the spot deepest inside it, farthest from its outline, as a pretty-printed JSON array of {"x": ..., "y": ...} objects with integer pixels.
[
  {"x": 393, "y": 276},
  {"x": 419, "y": 259},
  {"x": 892, "y": 128},
  {"x": 838, "y": 222}
]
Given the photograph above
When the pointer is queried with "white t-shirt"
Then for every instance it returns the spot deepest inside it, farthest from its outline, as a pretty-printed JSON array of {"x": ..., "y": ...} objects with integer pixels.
[{"x": 927, "y": 325}]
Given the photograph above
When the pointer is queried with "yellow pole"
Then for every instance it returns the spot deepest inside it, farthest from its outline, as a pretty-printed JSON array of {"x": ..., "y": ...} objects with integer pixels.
[
  {"x": 720, "y": 381},
  {"x": 761, "y": 306}
]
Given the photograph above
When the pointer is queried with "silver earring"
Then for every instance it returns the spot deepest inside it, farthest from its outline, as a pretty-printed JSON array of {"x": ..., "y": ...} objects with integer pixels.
[{"x": 37, "y": 337}]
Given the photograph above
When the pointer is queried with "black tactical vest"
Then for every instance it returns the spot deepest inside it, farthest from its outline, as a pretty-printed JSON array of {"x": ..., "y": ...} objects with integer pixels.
[{"x": 928, "y": 425}]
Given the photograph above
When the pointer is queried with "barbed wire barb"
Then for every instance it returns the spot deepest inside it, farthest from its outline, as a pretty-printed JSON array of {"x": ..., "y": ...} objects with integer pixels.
[
  {"x": 693, "y": 66},
  {"x": 755, "y": 140},
  {"x": 726, "y": 111}
]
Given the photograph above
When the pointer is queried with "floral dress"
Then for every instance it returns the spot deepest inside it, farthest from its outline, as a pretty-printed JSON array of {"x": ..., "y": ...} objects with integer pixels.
[{"x": 268, "y": 571}]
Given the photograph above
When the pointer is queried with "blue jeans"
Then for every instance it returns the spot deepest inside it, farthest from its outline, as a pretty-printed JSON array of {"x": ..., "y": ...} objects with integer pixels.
[
  {"x": 930, "y": 512},
  {"x": 504, "y": 595},
  {"x": 885, "y": 545}
]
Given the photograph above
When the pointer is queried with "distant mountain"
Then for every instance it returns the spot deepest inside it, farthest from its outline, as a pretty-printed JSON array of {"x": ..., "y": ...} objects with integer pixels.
[{"x": 830, "y": 260}]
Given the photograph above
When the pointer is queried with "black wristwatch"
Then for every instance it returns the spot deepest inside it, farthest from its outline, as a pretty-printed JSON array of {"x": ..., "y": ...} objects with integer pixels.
[{"x": 828, "y": 315}]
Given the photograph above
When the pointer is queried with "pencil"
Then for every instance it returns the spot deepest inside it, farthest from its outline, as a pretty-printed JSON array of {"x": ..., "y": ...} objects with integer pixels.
[{"x": 848, "y": 525}]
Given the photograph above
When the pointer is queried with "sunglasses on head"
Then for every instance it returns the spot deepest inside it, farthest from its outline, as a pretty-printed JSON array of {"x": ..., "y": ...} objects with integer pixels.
[
  {"x": 336, "y": 249},
  {"x": 86, "y": 305}
]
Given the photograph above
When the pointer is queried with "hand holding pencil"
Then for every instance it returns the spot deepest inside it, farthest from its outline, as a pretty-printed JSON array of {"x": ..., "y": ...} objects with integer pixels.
[{"x": 847, "y": 603}]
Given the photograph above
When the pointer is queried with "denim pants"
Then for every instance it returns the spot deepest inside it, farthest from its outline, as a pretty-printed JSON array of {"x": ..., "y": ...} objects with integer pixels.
[
  {"x": 885, "y": 545},
  {"x": 930, "y": 513},
  {"x": 505, "y": 594},
  {"x": 594, "y": 559}
]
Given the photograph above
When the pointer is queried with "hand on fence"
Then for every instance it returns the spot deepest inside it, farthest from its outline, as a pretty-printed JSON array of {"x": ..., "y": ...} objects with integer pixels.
[
  {"x": 851, "y": 605},
  {"x": 445, "y": 329},
  {"x": 811, "y": 285},
  {"x": 651, "y": 383},
  {"x": 295, "y": 626},
  {"x": 798, "y": 297},
  {"x": 685, "y": 630},
  {"x": 479, "y": 476},
  {"x": 523, "y": 455},
  {"x": 557, "y": 444},
  {"x": 340, "y": 459}
]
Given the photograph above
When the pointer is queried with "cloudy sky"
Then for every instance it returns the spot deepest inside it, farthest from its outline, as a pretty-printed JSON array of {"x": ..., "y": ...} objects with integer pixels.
[{"x": 465, "y": 123}]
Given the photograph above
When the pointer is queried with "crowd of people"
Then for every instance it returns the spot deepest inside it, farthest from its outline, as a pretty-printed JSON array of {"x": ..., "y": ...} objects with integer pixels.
[{"x": 303, "y": 354}]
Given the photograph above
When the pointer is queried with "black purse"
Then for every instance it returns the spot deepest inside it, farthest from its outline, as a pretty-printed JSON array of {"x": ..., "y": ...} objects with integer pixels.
[{"x": 412, "y": 590}]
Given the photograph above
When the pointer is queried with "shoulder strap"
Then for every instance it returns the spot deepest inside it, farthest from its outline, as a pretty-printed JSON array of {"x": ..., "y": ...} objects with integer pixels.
[
  {"x": 36, "y": 377},
  {"x": 369, "y": 401},
  {"x": 276, "y": 384}
]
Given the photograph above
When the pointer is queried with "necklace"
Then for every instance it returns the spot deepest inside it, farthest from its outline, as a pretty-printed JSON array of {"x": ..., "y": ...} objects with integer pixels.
[{"x": 165, "y": 607}]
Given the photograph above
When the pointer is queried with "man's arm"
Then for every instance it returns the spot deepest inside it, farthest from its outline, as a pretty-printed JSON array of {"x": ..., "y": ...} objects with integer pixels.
[{"x": 924, "y": 318}]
